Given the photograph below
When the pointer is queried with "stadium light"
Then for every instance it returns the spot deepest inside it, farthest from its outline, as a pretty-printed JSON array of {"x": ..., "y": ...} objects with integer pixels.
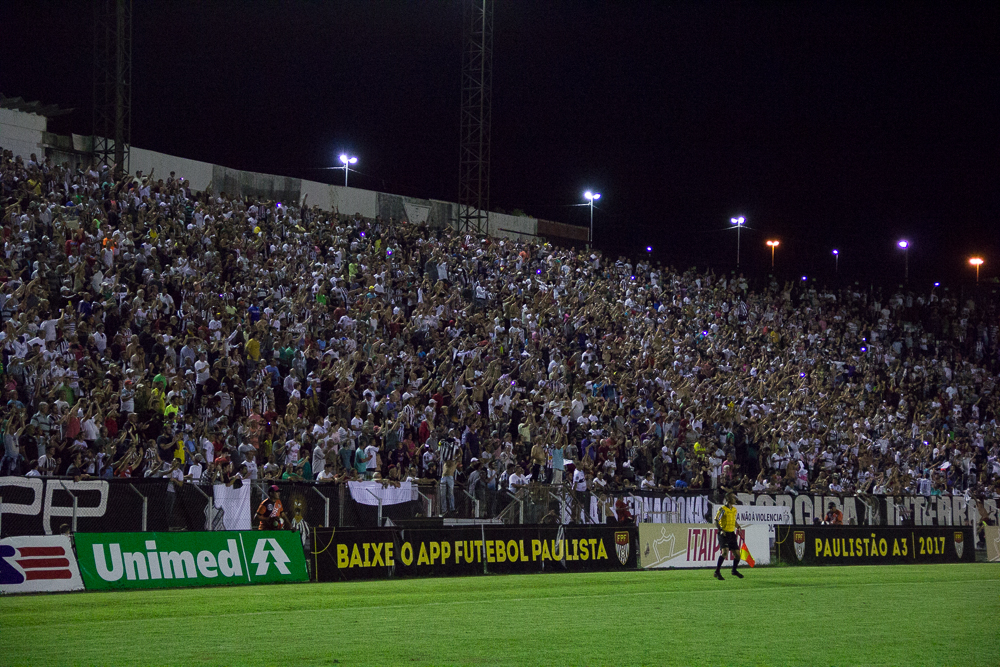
[
  {"x": 739, "y": 225},
  {"x": 836, "y": 261},
  {"x": 348, "y": 161},
  {"x": 591, "y": 197},
  {"x": 905, "y": 245},
  {"x": 976, "y": 262},
  {"x": 773, "y": 245}
]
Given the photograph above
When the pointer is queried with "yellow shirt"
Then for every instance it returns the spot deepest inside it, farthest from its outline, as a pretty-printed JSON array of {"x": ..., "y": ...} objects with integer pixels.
[
  {"x": 726, "y": 519},
  {"x": 157, "y": 400}
]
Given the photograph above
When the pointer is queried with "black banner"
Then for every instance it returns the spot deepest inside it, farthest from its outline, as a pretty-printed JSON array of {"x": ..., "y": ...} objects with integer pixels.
[
  {"x": 870, "y": 510},
  {"x": 873, "y": 545},
  {"x": 41, "y": 506},
  {"x": 468, "y": 550}
]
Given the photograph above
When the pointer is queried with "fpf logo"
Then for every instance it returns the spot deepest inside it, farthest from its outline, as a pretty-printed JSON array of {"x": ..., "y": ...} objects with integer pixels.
[
  {"x": 622, "y": 544},
  {"x": 800, "y": 543}
]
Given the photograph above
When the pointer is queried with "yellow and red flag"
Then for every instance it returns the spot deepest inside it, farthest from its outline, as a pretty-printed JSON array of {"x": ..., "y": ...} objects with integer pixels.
[{"x": 745, "y": 555}]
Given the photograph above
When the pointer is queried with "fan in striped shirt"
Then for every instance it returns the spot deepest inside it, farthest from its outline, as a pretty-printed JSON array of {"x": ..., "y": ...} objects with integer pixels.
[
  {"x": 65, "y": 351},
  {"x": 409, "y": 414},
  {"x": 250, "y": 405},
  {"x": 448, "y": 449}
]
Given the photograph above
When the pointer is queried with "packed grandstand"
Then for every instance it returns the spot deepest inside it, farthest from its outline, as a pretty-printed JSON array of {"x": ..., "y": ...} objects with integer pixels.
[{"x": 149, "y": 330}]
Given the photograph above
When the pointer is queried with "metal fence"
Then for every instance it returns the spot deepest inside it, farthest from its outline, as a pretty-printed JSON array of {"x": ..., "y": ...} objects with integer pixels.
[{"x": 36, "y": 506}]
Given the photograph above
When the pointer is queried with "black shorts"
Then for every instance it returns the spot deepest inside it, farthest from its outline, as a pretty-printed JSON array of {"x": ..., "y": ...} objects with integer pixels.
[{"x": 728, "y": 541}]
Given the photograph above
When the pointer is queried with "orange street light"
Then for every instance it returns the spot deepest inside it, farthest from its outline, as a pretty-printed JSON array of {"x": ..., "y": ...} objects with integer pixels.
[
  {"x": 773, "y": 245},
  {"x": 976, "y": 262}
]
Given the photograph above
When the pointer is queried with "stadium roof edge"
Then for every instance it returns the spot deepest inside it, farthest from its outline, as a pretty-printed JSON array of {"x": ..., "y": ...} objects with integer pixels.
[{"x": 36, "y": 107}]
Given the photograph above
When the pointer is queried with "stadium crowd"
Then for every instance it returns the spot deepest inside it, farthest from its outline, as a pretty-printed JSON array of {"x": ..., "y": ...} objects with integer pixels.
[{"x": 152, "y": 330}]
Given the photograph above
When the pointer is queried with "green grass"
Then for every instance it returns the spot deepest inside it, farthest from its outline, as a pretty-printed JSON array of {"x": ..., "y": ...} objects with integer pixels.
[{"x": 889, "y": 615}]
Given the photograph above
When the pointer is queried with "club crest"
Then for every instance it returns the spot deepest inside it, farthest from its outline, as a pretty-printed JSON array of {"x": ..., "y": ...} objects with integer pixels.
[
  {"x": 622, "y": 544},
  {"x": 800, "y": 543}
]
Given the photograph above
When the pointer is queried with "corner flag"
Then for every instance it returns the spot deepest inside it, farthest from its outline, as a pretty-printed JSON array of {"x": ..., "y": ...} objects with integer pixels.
[{"x": 745, "y": 555}]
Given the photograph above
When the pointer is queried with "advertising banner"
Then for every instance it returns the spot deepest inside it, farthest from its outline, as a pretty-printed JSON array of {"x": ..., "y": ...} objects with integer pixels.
[
  {"x": 667, "y": 545},
  {"x": 874, "y": 545},
  {"x": 42, "y": 506},
  {"x": 770, "y": 516},
  {"x": 869, "y": 510},
  {"x": 375, "y": 554},
  {"x": 993, "y": 544},
  {"x": 163, "y": 560},
  {"x": 42, "y": 564},
  {"x": 655, "y": 507}
]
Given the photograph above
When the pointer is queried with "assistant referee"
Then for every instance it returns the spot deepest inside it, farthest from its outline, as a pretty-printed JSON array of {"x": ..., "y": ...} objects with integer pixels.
[{"x": 725, "y": 521}]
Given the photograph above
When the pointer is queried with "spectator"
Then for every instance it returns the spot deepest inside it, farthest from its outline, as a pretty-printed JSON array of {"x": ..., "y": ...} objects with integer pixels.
[
  {"x": 834, "y": 517},
  {"x": 244, "y": 331},
  {"x": 451, "y": 457}
]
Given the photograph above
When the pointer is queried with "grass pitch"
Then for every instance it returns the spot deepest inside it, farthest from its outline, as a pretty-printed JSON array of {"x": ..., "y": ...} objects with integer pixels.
[{"x": 889, "y": 615}]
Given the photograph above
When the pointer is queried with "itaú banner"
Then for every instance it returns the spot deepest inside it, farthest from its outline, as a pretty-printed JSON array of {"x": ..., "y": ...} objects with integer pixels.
[
  {"x": 42, "y": 564},
  {"x": 993, "y": 544},
  {"x": 665, "y": 545}
]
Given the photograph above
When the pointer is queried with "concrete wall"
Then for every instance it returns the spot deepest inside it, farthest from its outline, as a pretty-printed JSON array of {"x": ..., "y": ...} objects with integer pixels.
[
  {"x": 513, "y": 226},
  {"x": 350, "y": 200},
  {"x": 238, "y": 183},
  {"x": 198, "y": 173},
  {"x": 345, "y": 200},
  {"x": 417, "y": 211},
  {"x": 21, "y": 132},
  {"x": 560, "y": 230}
]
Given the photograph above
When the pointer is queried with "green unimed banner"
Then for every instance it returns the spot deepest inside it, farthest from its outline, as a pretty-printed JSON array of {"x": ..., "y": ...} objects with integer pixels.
[{"x": 162, "y": 560}]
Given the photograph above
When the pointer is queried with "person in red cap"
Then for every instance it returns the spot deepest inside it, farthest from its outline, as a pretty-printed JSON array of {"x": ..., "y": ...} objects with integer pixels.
[{"x": 271, "y": 514}]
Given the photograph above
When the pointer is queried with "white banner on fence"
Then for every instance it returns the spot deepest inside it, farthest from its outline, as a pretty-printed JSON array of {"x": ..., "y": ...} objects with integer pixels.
[
  {"x": 770, "y": 516},
  {"x": 38, "y": 564},
  {"x": 233, "y": 506},
  {"x": 664, "y": 545},
  {"x": 369, "y": 493}
]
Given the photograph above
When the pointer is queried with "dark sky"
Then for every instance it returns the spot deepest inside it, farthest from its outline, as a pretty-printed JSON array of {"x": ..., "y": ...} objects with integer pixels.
[{"x": 846, "y": 125}]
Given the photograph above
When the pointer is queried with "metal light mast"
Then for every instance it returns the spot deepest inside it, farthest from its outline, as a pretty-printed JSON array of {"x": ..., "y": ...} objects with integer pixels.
[
  {"x": 113, "y": 82},
  {"x": 474, "y": 150}
]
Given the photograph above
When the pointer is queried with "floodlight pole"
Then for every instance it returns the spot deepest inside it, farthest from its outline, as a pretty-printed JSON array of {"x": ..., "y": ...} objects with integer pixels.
[
  {"x": 739, "y": 226},
  {"x": 348, "y": 161},
  {"x": 591, "y": 197}
]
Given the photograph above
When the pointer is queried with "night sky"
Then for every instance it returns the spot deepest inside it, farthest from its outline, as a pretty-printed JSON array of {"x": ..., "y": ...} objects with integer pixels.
[{"x": 828, "y": 125}]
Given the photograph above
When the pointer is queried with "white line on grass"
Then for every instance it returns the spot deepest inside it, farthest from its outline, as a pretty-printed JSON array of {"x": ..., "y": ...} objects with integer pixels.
[{"x": 441, "y": 604}]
